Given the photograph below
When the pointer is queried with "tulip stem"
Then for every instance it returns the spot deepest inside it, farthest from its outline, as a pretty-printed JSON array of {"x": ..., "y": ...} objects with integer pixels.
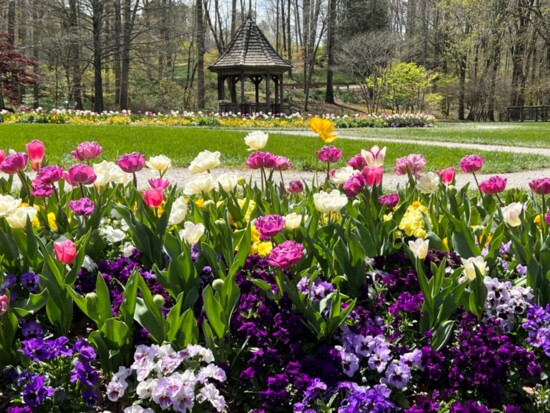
[
  {"x": 543, "y": 205},
  {"x": 477, "y": 183},
  {"x": 499, "y": 200},
  {"x": 27, "y": 188},
  {"x": 135, "y": 179}
]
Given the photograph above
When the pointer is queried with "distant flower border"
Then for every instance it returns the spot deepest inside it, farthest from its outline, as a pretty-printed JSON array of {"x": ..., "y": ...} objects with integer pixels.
[{"x": 176, "y": 118}]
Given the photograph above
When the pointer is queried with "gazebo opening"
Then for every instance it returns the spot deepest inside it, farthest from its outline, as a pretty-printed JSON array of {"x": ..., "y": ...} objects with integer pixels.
[{"x": 250, "y": 57}]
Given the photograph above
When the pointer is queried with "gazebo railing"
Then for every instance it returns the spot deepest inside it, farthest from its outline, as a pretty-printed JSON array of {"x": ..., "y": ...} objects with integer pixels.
[
  {"x": 251, "y": 107},
  {"x": 528, "y": 113}
]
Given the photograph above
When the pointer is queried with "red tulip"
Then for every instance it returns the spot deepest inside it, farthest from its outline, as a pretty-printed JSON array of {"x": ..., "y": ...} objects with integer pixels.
[
  {"x": 373, "y": 175},
  {"x": 65, "y": 251},
  {"x": 36, "y": 150},
  {"x": 447, "y": 175},
  {"x": 153, "y": 198}
]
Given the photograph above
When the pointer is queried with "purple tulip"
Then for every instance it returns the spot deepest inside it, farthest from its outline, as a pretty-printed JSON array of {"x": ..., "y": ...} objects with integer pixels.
[
  {"x": 540, "y": 186},
  {"x": 329, "y": 154},
  {"x": 295, "y": 187},
  {"x": 131, "y": 162},
  {"x": 270, "y": 225},
  {"x": 358, "y": 162},
  {"x": 80, "y": 174},
  {"x": 493, "y": 185},
  {"x": 14, "y": 163},
  {"x": 50, "y": 174},
  {"x": 390, "y": 200},
  {"x": 87, "y": 151},
  {"x": 258, "y": 160},
  {"x": 286, "y": 254},
  {"x": 471, "y": 163},
  {"x": 41, "y": 189},
  {"x": 82, "y": 206},
  {"x": 354, "y": 185}
]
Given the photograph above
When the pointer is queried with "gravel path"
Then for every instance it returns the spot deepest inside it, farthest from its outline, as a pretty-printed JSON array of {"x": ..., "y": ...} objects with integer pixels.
[{"x": 390, "y": 181}]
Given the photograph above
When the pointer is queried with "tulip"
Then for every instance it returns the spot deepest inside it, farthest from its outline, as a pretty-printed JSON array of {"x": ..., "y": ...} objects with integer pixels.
[
  {"x": 35, "y": 149},
  {"x": 329, "y": 201},
  {"x": 470, "y": 266},
  {"x": 65, "y": 251},
  {"x": 329, "y": 154},
  {"x": 41, "y": 189},
  {"x": 50, "y": 174},
  {"x": 447, "y": 175},
  {"x": 373, "y": 175},
  {"x": 8, "y": 205},
  {"x": 159, "y": 183},
  {"x": 270, "y": 225},
  {"x": 159, "y": 163},
  {"x": 428, "y": 183},
  {"x": 412, "y": 163},
  {"x": 191, "y": 232},
  {"x": 324, "y": 128},
  {"x": 374, "y": 157},
  {"x": 358, "y": 162},
  {"x": 295, "y": 187},
  {"x": 286, "y": 254},
  {"x": 199, "y": 183},
  {"x": 354, "y": 185},
  {"x": 153, "y": 198},
  {"x": 282, "y": 163},
  {"x": 178, "y": 211},
  {"x": 256, "y": 140},
  {"x": 82, "y": 206},
  {"x": 131, "y": 162},
  {"x": 204, "y": 162},
  {"x": 2, "y": 155},
  {"x": 14, "y": 163},
  {"x": 341, "y": 175},
  {"x": 419, "y": 248},
  {"x": 259, "y": 160},
  {"x": 228, "y": 181},
  {"x": 471, "y": 163},
  {"x": 389, "y": 200},
  {"x": 511, "y": 214},
  {"x": 4, "y": 305},
  {"x": 292, "y": 221},
  {"x": 547, "y": 219},
  {"x": 87, "y": 151},
  {"x": 80, "y": 174},
  {"x": 493, "y": 185},
  {"x": 18, "y": 219},
  {"x": 540, "y": 186}
]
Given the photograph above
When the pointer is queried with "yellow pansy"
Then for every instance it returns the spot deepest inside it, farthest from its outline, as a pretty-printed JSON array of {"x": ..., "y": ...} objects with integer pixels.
[
  {"x": 264, "y": 248},
  {"x": 324, "y": 128},
  {"x": 52, "y": 223},
  {"x": 199, "y": 202},
  {"x": 412, "y": 222}
]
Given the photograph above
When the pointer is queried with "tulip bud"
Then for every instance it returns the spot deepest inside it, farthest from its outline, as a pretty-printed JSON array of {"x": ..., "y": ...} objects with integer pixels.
[
  {"x": 217, "y": 284},
  {"x": 91, "y": 299},
  {"x": 158, "y": 300}
]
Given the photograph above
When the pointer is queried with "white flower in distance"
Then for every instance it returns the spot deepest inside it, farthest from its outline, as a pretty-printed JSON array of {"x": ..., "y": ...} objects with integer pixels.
[
  {"x": 374, "y": 156},
  {"x": 178, "y": 212},
  {"x": 428, "y": 183},
  {"x": 18, "y": 218},
  {"x": 419, "y": 248},
  {"x": 341, "y": 175},
  {"x": 470, "y": 266},
  {"x": 160, "y": 163},
  {"x": 8, "y": 205},
  {"x": 198, "y": 184},
  {"x": 228, "y": 181},
  {"x": 329, "y": 201},
  {"x": 204, "y": 161},
  {"x": 256, "y": 140},
  {"x": 191, "y": 232},
  {"x": 293, "y": 221},
  {"x": 511, "y": 214}
]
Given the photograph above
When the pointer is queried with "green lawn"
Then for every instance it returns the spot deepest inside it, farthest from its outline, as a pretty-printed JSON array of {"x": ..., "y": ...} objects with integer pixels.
[
  {"x": 533, "y": 134},
  {"x": 182, "y": 144}
]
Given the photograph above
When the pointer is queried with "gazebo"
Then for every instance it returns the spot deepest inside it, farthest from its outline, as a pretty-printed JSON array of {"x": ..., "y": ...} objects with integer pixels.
[{"x": 251, "y": 57}]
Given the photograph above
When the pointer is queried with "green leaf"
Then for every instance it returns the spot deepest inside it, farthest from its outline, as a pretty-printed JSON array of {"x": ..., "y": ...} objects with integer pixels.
[
  {"x": 30, "y": 305},
  {"x": 441, "y": 335},
  {"x": 214, "y": 312}
]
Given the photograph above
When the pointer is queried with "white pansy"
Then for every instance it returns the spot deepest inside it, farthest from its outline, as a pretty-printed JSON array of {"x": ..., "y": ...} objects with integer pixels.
[
  {"x": 470, "y": 266},
  {"x": 293, "y": 221},
  {"x": 88, "y": 263},
  {"x": 419, "y": 248},
  {"x": 256, "y": 140},
  {"x": 330, "y": 201},
  {"x": 127, "y": 249},
  {"x": 204, "y": 161},
  {"x": 198, "y": 184},
  {"x": 341, "y": 175},
  {"x": 511, "y": 213},
  {"x": 160, "y": 163},
  {"x": 178, "y": 212},
  {"x": 136, "y": 408},
  {"x": 18, "y": 218},
  {"x": 428, "y": 183},
  {"x": 229, "y": 181},
  {"x": 191, "y": 232},
  {"x": 8, "y": 205}
]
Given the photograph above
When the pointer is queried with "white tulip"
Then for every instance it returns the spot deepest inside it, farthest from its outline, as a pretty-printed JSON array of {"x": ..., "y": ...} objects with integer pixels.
[
  {"x": 8, "y": 205},
  {"x": 419, "y": 248},
  {"x": 160, "y": 163},
  {"x": 256, "y": 140},
  {"x": 293, "y": 221},
  {"x": 191, "y": 232},
  {"x": 204, "y": 161},
  {"x": 18, "y": 218},
  {"x": 511, "y": 214},
  {"x": 198, "y": 184},
  {"x": 470, "y": 266},
  {"x": 330, "y": 201},
  {"x": 178, "y": 212},
  {"x": 107, "y": 172},
  {"x": 228, "y": 181},
  {"x": 428, "y": 183},
  {"x": 341, "y": 175}
]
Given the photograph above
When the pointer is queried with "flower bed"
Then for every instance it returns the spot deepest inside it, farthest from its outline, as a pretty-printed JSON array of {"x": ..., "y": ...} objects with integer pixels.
[
  {"x": 175, "y": 118},
  {"x": 226, "y": 295}
]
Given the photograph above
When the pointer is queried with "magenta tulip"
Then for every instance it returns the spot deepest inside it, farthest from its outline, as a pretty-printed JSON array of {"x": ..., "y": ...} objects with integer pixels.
[
  {"x": 14, "y": 163},
  {"x": 159, "y": 183},
  {"x": 4, "y": 305},
  {"x": 412, "y": 163},
  {"x": 131, "y": 162},
  {"x": 493, "y": 185},
  {"x": 65, "y": 251},
  {"x": 373, "y": 175},
  {"x": 80, "y": 174},
  {"x": 446, "y": 175},
  {"x": 282, "y": 163},
  {"x": 153, "y": 198},
  {"x": 295, "y": 187},
  {"x": 540, "y": 186},
  {"x": 358, "y": 162},
  {"x": 41, "y": 189},
  {"x": 286, "y": 254},
  {"x": 258, "y": 160},
  {"x": 471, "y": 163},
  {"x": 270, "y": 225},
  {"x": 82, "y": 206},
  {"x": 50, "y": 174},
  {"x": 389, "y": 200},
  {"x": 354, "y": 185},
  {"x": 329, "y": 154}
]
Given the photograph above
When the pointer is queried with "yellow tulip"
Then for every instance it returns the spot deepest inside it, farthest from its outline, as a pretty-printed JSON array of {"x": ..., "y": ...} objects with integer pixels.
[{"x": 324, "y": 128}]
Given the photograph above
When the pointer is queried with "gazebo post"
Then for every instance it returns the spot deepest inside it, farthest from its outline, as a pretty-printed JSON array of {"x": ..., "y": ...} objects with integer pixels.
[
  {"x": 242, "y": 91},
  {"x": 221, "y": 91},
  {"x": 281, "y": 94},
  {"x": 267, "y": 92},
  {"x": 276, "y": 82}
]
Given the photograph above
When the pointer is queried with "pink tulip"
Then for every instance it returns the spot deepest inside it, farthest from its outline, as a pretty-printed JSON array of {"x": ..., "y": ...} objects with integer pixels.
[
  {"x": 14, "y": 163},
  {"x": 447, "y": 175},
  {"x": 270, "y": 225},
  {"x": 41, "y": 189},
  {"x": 354, "y": 185},
  {"x": 153, "y": 198},
  {"x": 65, "y": 251},
  {"x": 493, "y": 185},
  {"x": 50, "y": 174},
  {"x": 2, "y": 155},
  {"x": 36, "y": 150},
  {"x": 471, "y": 163},
  {"x": 131, "y": 162},
  {"x": 258, "y": 160},
  {"x": 540, "y": 186},
  {"x": 87, "y": 151},
  {"x": 547, "y": 219},
  {"x": 4, "y": 305},
  {"x": 286, "y": 254},
  {"x": 389, "y": 200},
  {"x": 80, "y": 174},
  {"x": 159, "y": 183},
  {"x": 373, "y": 175},
  {"x": 329, "y": 154},
  {"x": 358, "y": 162},
  {"x": 282, "y": 163},
  {"x": 295, "y": 187},
  {"x": 412, "y": 163},
  {"x": 82, "y": 206}
]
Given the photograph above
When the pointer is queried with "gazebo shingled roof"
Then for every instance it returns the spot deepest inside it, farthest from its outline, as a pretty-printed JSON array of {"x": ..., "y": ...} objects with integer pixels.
[
  {"x": 249, "y": 51},
  {"x": 250, "y": 56}
]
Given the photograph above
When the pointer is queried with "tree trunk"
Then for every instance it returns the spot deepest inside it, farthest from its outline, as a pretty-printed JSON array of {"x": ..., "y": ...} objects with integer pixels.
[
  {"x": 97, "y": 23},
  {"x": 329, "y": 95},
  {"x": 117, "y": 47},
  {"x": 76, "y": 86},
  {"x": 129, "y": 15},
  {"x": 233, "y": 18},
  {"x": 36, "y": 35},
  {"x": 11, "y": 21},
  {"x": 493, "y": 84},
  {"x": 200, "y": 35},
  {"x": 462, "y": 86}
]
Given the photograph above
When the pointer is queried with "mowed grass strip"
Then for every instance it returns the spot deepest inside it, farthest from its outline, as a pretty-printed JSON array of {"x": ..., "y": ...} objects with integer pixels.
[
  {"x": 532, "y": 134},
  {"x": 182, "y": 144}
]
